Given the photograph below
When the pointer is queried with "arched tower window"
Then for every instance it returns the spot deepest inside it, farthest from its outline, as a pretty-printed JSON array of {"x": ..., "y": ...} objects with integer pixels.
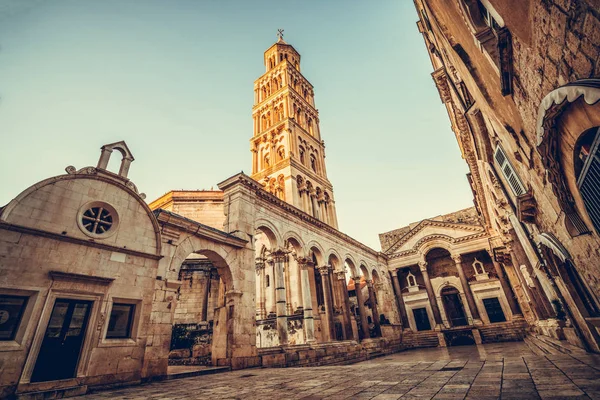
[
  {"x": 280, "y": 153},
  {"x": 310, "y": 126},
  {"x": 301, "y": 151},
  {"x": 313, "y": 163},
  {"x": 267, "y": 280},
  {"x": 266, "y": 161}
]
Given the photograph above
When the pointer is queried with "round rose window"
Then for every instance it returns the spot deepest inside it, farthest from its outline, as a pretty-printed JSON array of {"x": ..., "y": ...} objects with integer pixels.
[{"x": 97, "y": 220}]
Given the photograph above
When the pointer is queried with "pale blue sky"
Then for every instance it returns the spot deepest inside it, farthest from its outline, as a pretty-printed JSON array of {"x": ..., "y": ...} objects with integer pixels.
[{"x": 174, "y": 79}]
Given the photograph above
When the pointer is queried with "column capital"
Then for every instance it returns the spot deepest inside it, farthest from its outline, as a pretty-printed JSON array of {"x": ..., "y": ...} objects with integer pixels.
[
  {"x": 324, "y": 269},
  {"x": 423, "y": 265},
  {"x": 341, "y": 275},
  {"x": 278, "y": 255},
  {"x": 369, "y": 283},
  {"x": 457, "y": 258},
  {"x": 356, "y": 278}
]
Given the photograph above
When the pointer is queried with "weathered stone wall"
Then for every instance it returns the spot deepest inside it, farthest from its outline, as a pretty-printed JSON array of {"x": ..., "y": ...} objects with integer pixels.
[{"x": 45, "y": 255}]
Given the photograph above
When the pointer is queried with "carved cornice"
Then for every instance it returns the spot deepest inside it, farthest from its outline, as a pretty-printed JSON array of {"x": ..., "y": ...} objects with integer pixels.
[
  {"x": 289, "y": 211},
  {"x": 428, "y": 222},
  {"x": 415, "y": 249},
  {"x": 441, "y": 82}
]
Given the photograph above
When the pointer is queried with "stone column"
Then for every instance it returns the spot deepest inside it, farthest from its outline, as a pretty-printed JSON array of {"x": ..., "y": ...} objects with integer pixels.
[
  {"x": 508, "y": 293},
  {"x": 260, "y": 271},
  {"x": 345, "y": 303},
  {"x": 432, "y": 300},
  {"x": 309, "y": 323},
  {"x": 288, "y": 286},
  {"x": 374, "y": 309},
  {"x": 361, "y": 307},
  {"x": 273, "y": 308},
  {"x": 467, "y": 289},
  {"x": 282, "y": 325},
  {"x": 324, "y": 271},
  {"x": 400, "y": 300},
  {"x": 206, "y": 295}
]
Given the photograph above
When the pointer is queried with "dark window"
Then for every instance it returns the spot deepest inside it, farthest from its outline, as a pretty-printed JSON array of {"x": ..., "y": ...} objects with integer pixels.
[
  {"x": 121, "y": 318},
  {"x": 268, "y": 281},
  {"x": 494, "y": 310},
  {"x": 11, "y": 312}
]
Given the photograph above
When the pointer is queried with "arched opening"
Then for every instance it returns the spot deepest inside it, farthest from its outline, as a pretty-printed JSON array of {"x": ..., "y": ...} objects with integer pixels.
[
  {"x": 199, "y": 326},
  {"x": 265, "y": 241},
  {"x": 455, "y": 312},
  {"x": 336, "y": 295},
  {"x": 302, "y": 155}
]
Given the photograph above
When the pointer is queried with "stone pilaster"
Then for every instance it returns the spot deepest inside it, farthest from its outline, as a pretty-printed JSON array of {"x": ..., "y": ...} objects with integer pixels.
[{"x": 261, "y": 311}]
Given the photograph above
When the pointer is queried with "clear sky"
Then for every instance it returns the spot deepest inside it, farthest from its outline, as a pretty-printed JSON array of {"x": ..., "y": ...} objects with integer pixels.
[{"x": 174, "y": 79}]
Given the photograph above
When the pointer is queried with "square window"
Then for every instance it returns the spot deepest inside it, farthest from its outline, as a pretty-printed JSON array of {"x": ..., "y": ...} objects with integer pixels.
[
  {"x": 121, "y": 320},
  {"x": 11, "y": 312}
]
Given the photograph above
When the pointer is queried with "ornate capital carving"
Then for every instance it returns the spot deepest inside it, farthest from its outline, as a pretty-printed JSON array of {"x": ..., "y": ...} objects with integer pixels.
[
  {"x": 423, "y": 265},
  {"x": 324, "y": 270},
  {"x": 341, "y": 275},
  {"x": 279, "y": 255},
  {"x": 457, "y": 258}
]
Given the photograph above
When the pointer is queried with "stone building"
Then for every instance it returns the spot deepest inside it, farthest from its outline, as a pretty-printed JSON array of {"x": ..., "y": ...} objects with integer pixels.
[
  {"x": 450, "y": 290},
  {"x": 256, "y": 273},
  {"x": 519, "y": 82}
]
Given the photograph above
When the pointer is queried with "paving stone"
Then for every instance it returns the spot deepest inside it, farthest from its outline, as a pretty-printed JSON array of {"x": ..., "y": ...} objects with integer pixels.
[{"x": 414, "y": 374}]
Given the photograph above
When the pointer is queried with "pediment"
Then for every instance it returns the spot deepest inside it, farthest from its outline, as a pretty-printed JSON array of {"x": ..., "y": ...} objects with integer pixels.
[{"x": 433, "y": 229}]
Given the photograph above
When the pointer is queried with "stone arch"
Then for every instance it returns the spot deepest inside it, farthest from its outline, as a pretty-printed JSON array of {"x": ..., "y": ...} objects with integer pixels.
[
  {"x": 338, "y": 259},
  {"x": 270, "y": 231},
  {"x": 375, "y": 276},
  {"x": 364, "y": 270},
  {"x": 221, "y": 258},
  {"x": 428, "y": 243},
  {"x": 122, "y": 148},
  {"x": 293, "y": 236},
  {"x": 319, "y": 253},
  {"x": 349, "y": 261},
  {"x": 445, "y": 285}
]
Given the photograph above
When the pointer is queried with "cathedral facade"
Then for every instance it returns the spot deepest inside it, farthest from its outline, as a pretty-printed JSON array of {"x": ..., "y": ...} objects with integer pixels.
[{"x": 257, "y": 273}]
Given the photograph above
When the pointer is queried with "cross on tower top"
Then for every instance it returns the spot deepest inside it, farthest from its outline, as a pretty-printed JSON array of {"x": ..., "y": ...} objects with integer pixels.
[{"x": 280, "y": 33}]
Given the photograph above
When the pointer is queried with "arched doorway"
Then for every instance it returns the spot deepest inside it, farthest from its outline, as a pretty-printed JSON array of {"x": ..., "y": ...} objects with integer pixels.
[{"x": 453, "y": 306}]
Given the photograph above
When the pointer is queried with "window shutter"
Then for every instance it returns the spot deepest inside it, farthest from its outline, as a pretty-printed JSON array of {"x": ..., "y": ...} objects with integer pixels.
[
  {"x": 508, "y": 172},
  {"x": 589, "y": 182}
]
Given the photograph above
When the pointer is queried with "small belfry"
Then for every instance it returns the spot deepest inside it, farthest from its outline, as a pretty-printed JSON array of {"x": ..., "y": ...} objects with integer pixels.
[{"x": 288, "y": 155}]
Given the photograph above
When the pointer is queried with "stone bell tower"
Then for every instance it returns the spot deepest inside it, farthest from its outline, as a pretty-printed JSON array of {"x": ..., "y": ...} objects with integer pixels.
[{"x": 288, "y": 155}]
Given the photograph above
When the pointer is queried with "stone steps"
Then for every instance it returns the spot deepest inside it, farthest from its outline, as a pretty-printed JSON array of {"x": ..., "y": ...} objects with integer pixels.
[
  {"x": 420, "y": 339},
  {"x": 543, "y": 345}
]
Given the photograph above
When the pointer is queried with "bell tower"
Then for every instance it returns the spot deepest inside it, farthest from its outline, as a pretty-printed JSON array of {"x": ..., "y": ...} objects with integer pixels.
[{"x": 288, "y": 155}]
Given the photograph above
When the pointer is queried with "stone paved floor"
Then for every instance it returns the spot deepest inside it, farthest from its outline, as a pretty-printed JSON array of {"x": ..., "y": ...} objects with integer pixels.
[{"x": 492, "y": 371}]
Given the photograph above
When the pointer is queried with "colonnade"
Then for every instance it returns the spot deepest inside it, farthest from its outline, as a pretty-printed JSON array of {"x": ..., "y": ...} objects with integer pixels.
[
  {"x": 336, "y": 301},
  {"x": 434, "y": 300}
]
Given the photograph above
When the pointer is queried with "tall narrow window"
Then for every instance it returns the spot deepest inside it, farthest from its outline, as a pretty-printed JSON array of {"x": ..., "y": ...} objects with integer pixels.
[
  {"x": 508, "y": 172},
  {"x": 587, "y": 173}
]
